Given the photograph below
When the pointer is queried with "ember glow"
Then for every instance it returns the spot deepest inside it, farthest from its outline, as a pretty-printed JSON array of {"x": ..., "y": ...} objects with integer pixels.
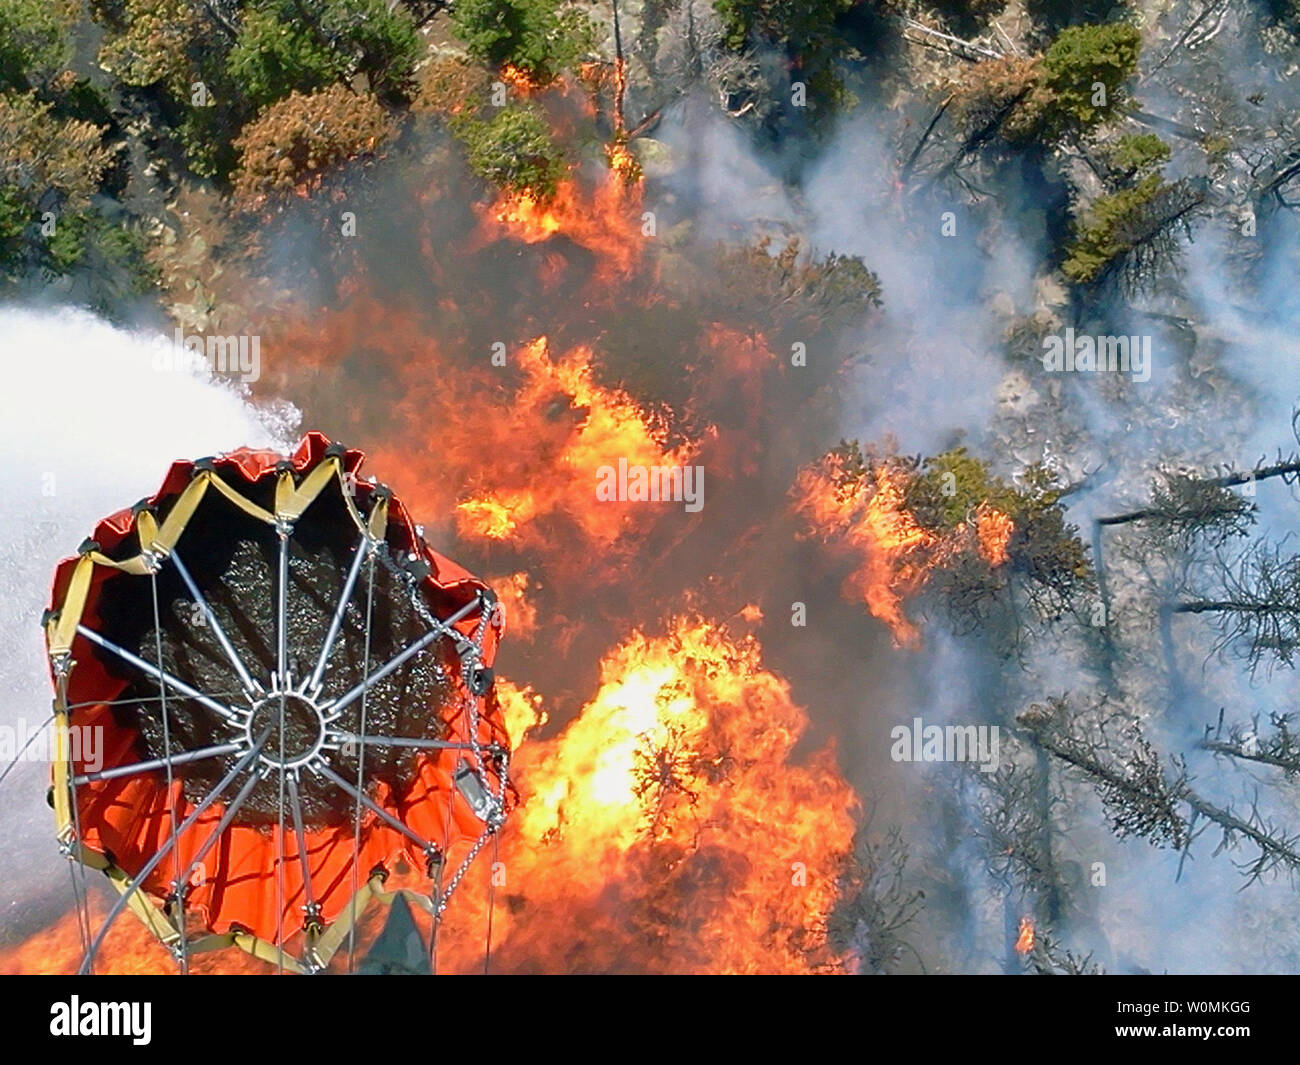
[
  {"x": 1025, "y": 941},
  {"x": 675, "y": 790},
  {"x": 604, "y": 221},
  {"x": 864, "y": 515},
  {"x": 867, "y": 517},
  {"x": 994, "y": 530}
]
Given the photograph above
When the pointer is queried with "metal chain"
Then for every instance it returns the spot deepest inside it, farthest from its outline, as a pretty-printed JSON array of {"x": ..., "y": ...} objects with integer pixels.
[
  {"x": 463, "y": 869},
  {"x": 470, "y": 660}
]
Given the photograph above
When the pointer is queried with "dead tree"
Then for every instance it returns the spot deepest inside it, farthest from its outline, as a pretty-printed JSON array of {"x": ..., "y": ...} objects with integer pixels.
[
  {"x": 1185, "y": 509},
  {"x": 876, "y": 906},
  {"x": 1258, "y": 607},
  {"x": 1016, "y": 811},
  {"x": 1280, "y": 748},
  {"x": 1142, "y": 799}
]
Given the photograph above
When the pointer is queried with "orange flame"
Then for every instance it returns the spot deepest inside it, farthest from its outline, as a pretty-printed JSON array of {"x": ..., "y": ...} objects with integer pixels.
[
  {"x": 584, "y": 426},
  {"x": 606, "y": 222},
  {"x": 669, "y": 824},
  {"x": 668, "y": 827},
  {"x": 1025, "y": 942},
  {"x": 868, "y": 514},
  {"x": 994, "y": 530},
  {"x": 519, "y": 80},
  {"x": 677, "y": 780}
]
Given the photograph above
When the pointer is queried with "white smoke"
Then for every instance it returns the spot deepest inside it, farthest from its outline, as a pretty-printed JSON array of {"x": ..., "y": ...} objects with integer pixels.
[{"x": 88, "y": 426}]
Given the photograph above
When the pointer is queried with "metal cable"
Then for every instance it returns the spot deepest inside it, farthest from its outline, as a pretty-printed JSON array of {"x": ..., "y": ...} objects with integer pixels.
[
  {"x": 361, "y": 759},
  {"x": 167, "y": 757}
]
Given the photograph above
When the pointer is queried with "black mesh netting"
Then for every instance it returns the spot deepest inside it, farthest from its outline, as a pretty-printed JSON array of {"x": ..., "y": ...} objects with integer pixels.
[{"x": 234, "y": 560}]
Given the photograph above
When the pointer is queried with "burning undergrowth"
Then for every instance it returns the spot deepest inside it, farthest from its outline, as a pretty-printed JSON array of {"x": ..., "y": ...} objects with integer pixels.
[
  {"x": 670, "y": 825},
  {"x": 496, "y": 354},
  {"x": 685, "y": 803},
  {"x": 945, "y": 525}
]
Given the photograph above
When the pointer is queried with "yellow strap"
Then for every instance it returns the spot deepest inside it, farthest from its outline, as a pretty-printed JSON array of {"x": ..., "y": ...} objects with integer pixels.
[
  {"x": 146, "y": 530},
  {"x": 246, "y": 505},
  {"x": 62, "y": 777},
  {"x": 267, "y": 952},
  {"x": 332, "y": 938},
  {"x": 291, "y": 503},
  {"x": 137, "y": 566},
  {"x": 63, "y": 628},
  {"x": 183, "y": 510},
  {"x": 283, "y": 492},
  {"x": 143, "y": 906},
  {"x": 250, "y": 944},
  {"x": 378, "y": 525}
]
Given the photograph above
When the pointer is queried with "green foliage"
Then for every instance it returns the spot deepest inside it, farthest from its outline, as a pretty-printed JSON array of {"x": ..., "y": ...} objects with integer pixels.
[
  {"x": 381, "y": 39},
  {"x": 170, "y": 47},
  {"x": 109, "y": 254},
  {"x": 1080, "y": 59},
  {"x": 1066, "y": 93},
  {"x": 513, "y": 149},
  {"x": 950, "y": 486},
  {"x": 280, "y": 47},
  {"x": 1135, "y": 156},
  {"x": 536, "y": 37},
  {"x": 1130, "y": 229},
  {"x": 273, "y": 58},
  {"x": 161, "y": 42},
  {"x": 34, "y": 41},
  {"x": 53, "y": 162},
  {"x": 1186, "y": 510},
  {"x": 50, "y": 172},
  {"x": 804, "y": 29},
  {"x": 948, "y": 494},
  {"x": 288, "y": 46},
  {"x": 15, "y": 217},
  {"x": 1044, "y": 550}
]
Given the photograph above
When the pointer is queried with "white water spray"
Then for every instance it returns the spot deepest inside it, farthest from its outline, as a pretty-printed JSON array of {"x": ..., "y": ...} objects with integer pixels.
[{"x": 87, "y": 426}]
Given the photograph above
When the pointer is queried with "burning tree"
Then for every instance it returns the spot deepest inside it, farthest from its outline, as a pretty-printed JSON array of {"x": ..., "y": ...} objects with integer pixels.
[
  {"x": 947, "y": 524},
  {"x": 514, "y": 150}
]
